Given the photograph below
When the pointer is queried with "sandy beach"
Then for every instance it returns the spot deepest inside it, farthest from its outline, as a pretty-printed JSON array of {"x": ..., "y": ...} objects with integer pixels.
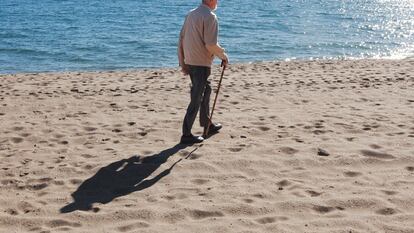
[{"x": 306, "y": 146}]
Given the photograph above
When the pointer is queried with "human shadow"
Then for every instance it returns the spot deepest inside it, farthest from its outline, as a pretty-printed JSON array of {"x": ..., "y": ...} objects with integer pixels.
[{"x": 120, "y": 178}]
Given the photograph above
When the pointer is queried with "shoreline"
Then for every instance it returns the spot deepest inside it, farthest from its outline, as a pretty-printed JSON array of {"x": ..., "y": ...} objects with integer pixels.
[{"x": 215, "y": 64}]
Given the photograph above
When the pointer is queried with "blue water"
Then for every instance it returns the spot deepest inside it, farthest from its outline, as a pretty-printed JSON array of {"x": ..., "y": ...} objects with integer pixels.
[{"x": 61, "y": 35}]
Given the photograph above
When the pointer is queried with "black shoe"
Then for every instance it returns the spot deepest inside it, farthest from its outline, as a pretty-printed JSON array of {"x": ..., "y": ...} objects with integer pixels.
[
  {"x": 191, "y": 139},
  {"x": 214, "y": 128}
]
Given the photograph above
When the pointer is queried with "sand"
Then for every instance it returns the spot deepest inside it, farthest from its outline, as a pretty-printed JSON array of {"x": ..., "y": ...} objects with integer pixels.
[{"x": 321, "y": 146}]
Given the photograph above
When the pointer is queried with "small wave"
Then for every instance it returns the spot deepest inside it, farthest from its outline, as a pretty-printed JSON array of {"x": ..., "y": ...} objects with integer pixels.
[
  {"x": 12, "y": 35},
  {"x": 25, "y": 51},
  {"x": 400, "y": 54},
  {"x": 80, "y": 59},
  {"x": 93, "y": 48}
]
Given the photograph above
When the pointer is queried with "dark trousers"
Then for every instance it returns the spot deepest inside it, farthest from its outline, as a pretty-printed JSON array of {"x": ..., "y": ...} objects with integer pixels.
[{"x": 200, "y": 98}]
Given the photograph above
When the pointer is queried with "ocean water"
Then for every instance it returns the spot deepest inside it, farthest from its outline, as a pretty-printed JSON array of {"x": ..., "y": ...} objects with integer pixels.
[{"x": 69, "y": 35}]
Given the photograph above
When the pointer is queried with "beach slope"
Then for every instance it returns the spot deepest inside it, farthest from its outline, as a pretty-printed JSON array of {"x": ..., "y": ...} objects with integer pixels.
[{"x": 318, "y": 146}]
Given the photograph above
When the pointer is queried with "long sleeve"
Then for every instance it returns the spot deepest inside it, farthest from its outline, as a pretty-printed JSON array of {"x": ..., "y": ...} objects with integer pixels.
[
  {"x": 181, "y": 48},
  {"x": 217, "y": 51},
  {"x": 211, "y": 30}
]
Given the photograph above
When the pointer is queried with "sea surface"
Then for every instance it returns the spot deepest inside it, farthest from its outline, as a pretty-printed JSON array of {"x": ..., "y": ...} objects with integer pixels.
[{"x": 78, "y": 35}]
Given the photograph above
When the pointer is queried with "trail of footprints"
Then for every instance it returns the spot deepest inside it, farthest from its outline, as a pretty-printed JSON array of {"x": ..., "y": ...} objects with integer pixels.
[{"x": 18, "y": 135}]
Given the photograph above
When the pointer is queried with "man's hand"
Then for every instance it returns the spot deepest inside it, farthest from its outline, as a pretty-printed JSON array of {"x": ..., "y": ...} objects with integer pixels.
[
  {"x": 225, "y": 62},
  {"x": 185, "y": 69}
]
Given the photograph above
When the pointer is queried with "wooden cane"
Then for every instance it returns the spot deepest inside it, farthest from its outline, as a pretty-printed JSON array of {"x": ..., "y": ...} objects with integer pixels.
[{"x": 215, "y": 100}]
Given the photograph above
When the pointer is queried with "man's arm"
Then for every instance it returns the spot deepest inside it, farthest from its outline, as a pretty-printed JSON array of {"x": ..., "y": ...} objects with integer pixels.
[
  {"x": 217, "y": 51},
  {"x": 211, "y": 30},
  {"x": 184, "y": 67},
  {"x": 181, "y": 49}
]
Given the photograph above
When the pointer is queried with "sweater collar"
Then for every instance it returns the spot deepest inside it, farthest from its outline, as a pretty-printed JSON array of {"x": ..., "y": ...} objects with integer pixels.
[{"x": 205, "y": 6}]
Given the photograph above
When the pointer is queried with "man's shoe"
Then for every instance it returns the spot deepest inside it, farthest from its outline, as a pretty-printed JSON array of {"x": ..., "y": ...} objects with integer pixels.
[
  {"x": 214, "y": 128},
  {"x": 191, "y": 139}
]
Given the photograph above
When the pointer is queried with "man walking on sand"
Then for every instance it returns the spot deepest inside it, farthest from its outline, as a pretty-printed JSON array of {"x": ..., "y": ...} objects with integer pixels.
[{"x": 197, "y": 46}]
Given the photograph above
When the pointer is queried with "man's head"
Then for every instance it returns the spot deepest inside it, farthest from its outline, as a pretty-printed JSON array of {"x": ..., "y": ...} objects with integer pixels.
[{"x": 212, "y": 4}]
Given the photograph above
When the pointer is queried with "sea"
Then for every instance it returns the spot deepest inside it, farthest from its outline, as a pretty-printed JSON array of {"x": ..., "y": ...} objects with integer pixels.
[{"x": 94, "y": 35}]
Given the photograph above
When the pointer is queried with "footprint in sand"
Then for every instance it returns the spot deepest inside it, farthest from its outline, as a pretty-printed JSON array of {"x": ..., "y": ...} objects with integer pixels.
[
  {"x": 201, "y": 214},
  {"x": 288, "y": 150},
  {"x": 133, "y": 107},
  {"x": 168, "y": 197},
  {"x": 26, "y": 207},
  {"x": 319, "y": 125},
  {"x": 257, "y": 123},
  {"x": 25, "y": 135},
  {"x": 17, "y": 139},
  {"x": 87, "y": 156},
  {"x": 264, "y": 128},
  {"x": 235, "y": 149},
  {"x": 59, "y": 182},
  {"x": 410, "y": 169},
  {"x": 62, "y": 223},
  {"x": 319, "y": 132},
  {"x": 11, "y": 212},
  {"x": 375, "y": 154},
  {"x": 299, "y": 140},
  {"x": 47, "y": 131},
  {"x": 323, "y": 209},
  {"x": 194, "y": 156},
  {"x": 386, "y": 211},
  {"x": 17, "y": 128},
  {"x": 76, "y": 181},
  {"x": 266, "y": 220},
  {"x": 258, "y": 195},
  {"x": 37, "y": 187},
  {"x": 12, "y": 182},
  {"x": 388, "y": 192},
  {"x": 375, "y": 146},
  {"x": 352, "y": 174},
  {"x": 350, "y": 139},
  {"x": 88, "y": 167},
  {"x": 248, "y": 200},
  {"x": 284, "y": 183},
  {"x": 133, "y": 226},
  {"x": 199, "y": 181},
  {"x": 313, "y": 193},
  {"x": 90, "y": 129},
  {"x": 114, "y": 105}
]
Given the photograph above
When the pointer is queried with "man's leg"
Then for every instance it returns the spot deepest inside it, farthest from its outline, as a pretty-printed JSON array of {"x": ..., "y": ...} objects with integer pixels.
[
  {"x": 198, "y": 77},
  {"x": 205, "y": 106},
  {"x": 205, "y": 113}
]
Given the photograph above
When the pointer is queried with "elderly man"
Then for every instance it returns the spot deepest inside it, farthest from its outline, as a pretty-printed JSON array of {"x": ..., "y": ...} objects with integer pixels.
[{"x": 197, "y": 46}]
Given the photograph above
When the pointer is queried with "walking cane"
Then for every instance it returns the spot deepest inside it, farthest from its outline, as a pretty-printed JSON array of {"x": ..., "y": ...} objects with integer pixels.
[{"x": 215, "y": 100}]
